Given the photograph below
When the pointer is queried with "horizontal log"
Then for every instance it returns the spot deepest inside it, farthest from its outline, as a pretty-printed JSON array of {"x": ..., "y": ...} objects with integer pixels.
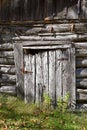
[
  {"x": 72, "y": 37},
  {"x": 7, "y": 69},
  {"x": 81, "y": 62},
  {"x": 9, "y": 77},
  {"x": 56, "y": 34},
  {"x": 81, "y": 94},
  {"x": 8, "y": 89},
  {"x": 40, "y": 22},
  {"x": 7, "y": 82},
  {"x": 7, "y": 72},
  {"x": 45, "y": 43},
  {"x": 26, "y": 48},
  {"x": 7, "y": 61},
  {"x": 83, "y": 91},
  {"x": 9, "y": 54},
  {"x": 81, "y": 83},
  {"x": 81, "y": 72},
  {"x": 6, "y": 45},
  {"x": 41, "y": 28},
  {"x": 55, "y": 38},
  {"x": 82, "y": 45},
  {"x": 7, "y": 66},
  {"x": 67, "y": 27}
]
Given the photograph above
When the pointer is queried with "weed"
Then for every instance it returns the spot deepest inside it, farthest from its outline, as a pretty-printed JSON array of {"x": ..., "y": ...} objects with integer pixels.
[{"x": 63, "y": 103}]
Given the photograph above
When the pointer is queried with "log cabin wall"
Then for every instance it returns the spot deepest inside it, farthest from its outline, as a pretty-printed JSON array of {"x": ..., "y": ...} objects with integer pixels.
[
  {"x": 44, "y": 31},
  {"x": 19, "y": 23}
]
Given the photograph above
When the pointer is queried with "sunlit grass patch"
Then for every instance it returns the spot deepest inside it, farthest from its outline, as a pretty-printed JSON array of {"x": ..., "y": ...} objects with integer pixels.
[{"x": 16, "y": 115}]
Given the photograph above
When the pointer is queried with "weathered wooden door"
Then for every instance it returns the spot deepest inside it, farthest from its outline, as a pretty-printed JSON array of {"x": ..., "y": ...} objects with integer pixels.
[{"x": 50, "y": 70}]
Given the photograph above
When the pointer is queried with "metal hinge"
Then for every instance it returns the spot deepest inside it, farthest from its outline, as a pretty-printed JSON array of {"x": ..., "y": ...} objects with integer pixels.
[{"x": 25, "y": 71}]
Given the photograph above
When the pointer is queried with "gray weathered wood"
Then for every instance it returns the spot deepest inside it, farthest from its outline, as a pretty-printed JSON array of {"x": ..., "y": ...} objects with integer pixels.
[
  {"x": 7, "y": 61},
  {"x": 18, "y": 55},
  {"x": 29, "y": 32},
  {"x": 68, "y": 74},
  {"x": 45, "y": 61},
  {"x": 72, "y": 75},
  {"x": 8, "y": 89},
  {"x": 52, "y": 76},
  {"x": 29, "y": 83},
  {"x": 9, "y": 54},
  {"x": 44, "y": 43},
  {"x": 7, "y": 69},
  {"x": 82, "y": 45},
  {"x": 39, "y": 77},
  {"x": 58, "y": 71}
]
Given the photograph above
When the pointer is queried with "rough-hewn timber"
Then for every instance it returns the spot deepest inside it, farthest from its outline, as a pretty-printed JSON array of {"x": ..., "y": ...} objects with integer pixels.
[{"x": 45, "y": 31}]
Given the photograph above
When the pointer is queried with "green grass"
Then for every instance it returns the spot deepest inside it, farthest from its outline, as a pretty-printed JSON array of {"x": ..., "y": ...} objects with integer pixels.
[{"x": 16, "y": 115}]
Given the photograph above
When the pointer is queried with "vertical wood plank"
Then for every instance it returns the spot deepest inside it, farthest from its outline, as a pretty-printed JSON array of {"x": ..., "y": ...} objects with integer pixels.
[
  {"x": 52, "y": 76},
  {"x": 65, "y": 72},
  {"x": 68, "y": 74},
  {"x": 58, "y": 74},
  {"x": 45, "y": 71},
  {"x": 72, "y": 76},
  {"x": 29, "y": 78},
  {"x": 18, "y": 56},
  {"x": 39, "y": 77}
]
